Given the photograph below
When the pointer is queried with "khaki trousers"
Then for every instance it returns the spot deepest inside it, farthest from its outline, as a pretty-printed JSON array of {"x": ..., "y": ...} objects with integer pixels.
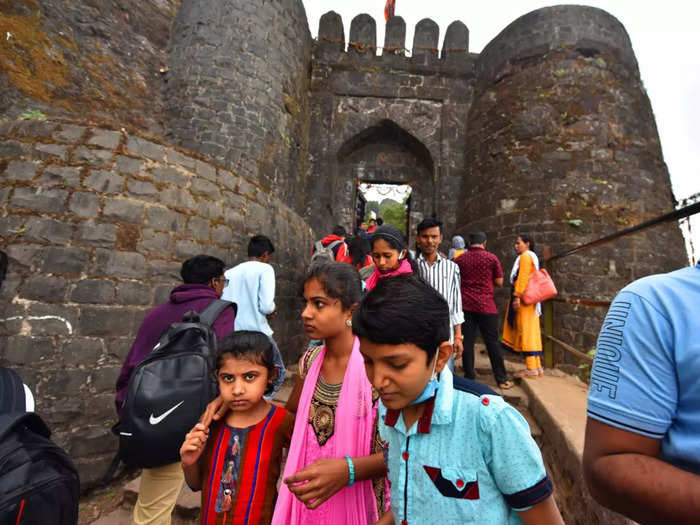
[{"x": 158, "y": 493}]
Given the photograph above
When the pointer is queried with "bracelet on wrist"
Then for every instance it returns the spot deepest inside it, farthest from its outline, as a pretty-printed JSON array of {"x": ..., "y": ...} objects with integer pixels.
[{"x": 351, "y": 471}]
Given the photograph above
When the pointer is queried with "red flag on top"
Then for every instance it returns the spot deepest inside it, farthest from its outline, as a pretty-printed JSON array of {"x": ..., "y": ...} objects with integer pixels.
[{"x": 389, "y": 9}]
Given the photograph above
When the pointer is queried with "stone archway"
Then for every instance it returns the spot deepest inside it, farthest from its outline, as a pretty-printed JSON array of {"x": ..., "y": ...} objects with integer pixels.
[{"x": 386, "y": 153}]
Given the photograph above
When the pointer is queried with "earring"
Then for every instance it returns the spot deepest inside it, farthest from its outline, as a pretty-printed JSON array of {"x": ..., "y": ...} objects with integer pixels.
[{"x": 348, "y": 322}]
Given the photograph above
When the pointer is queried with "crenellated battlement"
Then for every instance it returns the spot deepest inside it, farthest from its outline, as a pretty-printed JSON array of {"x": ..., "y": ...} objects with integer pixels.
[{"x": 362, "y": 42}]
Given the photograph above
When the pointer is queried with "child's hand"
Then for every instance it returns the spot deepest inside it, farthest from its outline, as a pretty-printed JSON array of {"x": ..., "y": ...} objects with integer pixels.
[
  {"x": 193, "y": 446},
  {"x": 317, "y": 482}
]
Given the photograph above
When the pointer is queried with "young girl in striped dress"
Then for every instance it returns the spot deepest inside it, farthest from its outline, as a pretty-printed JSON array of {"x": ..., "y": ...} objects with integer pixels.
[{"x": 236, "y": 461}]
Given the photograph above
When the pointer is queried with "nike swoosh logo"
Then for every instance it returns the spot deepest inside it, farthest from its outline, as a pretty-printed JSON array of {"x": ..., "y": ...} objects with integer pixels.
[{"x": 155, "y": 420}]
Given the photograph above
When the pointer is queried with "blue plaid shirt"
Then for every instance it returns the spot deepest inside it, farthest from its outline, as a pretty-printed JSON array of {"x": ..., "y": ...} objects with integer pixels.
[{"x": 469, "y": 459}]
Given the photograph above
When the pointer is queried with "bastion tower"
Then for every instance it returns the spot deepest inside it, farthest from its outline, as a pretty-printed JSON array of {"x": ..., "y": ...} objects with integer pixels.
[{"x": 136, "y": 134}]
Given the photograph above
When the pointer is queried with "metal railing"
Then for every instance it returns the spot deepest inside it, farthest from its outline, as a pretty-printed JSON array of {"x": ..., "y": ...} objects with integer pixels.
[{"x": 548, "y": 306}]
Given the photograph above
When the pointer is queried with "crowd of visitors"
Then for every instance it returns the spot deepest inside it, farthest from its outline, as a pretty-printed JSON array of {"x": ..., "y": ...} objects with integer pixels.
[{"x": 378, "y": 428}]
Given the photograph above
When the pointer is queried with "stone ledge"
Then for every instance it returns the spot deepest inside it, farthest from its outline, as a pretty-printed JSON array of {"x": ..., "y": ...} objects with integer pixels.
[{"x": 558, "y": 404}]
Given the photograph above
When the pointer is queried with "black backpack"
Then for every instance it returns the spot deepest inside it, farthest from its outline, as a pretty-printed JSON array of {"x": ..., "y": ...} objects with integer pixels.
[
  {"x": 168, "y": 391},
  {"x": 38, "y": 481}
]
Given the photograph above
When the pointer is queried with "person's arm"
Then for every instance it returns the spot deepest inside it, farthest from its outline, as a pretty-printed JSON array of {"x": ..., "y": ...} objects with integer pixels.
[
  {"x": 322, "y": 479},
  {"x": 623, "y": 472},
  {"x": 498, "y": 282},
  {"x": 525, "y": 269},
  {"x": 293, "y": 401},
  {"x": 266, "y": 293},
  {"x": 387, "y": 519},
  {"x": 456, "y": 312},
  {"x": 544, "y": 513},
  {"x": 497, "y": 272},
  {"x": 190, "y": 452}
]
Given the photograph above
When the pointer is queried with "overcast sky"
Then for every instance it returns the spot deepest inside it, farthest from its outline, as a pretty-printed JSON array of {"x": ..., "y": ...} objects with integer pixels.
[{"x": 665, "y": 38}]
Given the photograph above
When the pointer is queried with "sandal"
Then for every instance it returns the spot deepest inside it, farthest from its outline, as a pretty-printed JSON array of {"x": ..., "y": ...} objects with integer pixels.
[{"x": 506, "y": 385}]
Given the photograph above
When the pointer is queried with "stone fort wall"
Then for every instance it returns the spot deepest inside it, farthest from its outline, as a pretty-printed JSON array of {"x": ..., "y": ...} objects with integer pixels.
[
  {"x": 96, "y": 223},
  {"x": 561, "y": 131}
]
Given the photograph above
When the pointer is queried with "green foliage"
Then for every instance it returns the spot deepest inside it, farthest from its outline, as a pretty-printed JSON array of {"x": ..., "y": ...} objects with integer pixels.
[
  {"x": 576, "y": 223},
  {"x": 32, "y": 114},
  {"x": 584, "y": 369},
  {"x": 394, "y": 213}
]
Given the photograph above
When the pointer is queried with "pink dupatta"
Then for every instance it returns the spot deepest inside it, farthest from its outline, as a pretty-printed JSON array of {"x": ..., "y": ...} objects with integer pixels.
[
  {"x": 372, "y": 280},
  {"x": 353, "y": 433}
]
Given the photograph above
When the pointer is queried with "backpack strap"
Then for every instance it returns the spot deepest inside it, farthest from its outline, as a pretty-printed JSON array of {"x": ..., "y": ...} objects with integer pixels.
[
  {"x": 214, "y": 310},
  {"x": 32, "y": 421}
]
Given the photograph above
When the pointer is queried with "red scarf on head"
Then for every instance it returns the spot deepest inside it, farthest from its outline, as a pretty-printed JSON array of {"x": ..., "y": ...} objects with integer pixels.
[{"x": 372, "y": 280}]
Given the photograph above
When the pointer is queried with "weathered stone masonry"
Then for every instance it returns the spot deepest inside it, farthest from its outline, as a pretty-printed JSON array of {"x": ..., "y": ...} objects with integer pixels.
[{"x": 96, "y": 223}]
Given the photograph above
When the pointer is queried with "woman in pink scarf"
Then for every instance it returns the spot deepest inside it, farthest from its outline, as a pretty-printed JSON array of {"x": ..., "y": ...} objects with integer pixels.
[
  {"x": 333, "y": 457},
  {"x": 390, "y": 255}
]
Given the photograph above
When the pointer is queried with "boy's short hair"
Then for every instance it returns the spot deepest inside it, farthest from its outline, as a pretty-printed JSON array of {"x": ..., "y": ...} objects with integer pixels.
[
  {"x": 251, "y": 345},
  {"x": 339, "y": 231},
  {"x": 428, "y": 223},
  {"x": 258, "y": 245},
  {"x": 477, "y": 238},
  {"x": 402, "y": 310},
  {"x": 201, "y": 269}
]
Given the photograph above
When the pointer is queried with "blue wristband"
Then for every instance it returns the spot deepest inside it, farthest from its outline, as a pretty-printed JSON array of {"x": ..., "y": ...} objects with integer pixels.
[{"x": 351, "y": 470}]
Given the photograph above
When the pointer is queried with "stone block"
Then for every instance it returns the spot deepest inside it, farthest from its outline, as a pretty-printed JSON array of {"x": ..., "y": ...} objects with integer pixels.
[
  {"x": 78, "y": 351},
  {"x": 123, "y": 209},
  {"x": 50, "y": 151},
  {"x": 105, "y": 378},
  {"x": 141, "y": 188},
  {"x": 154, "y": 241},
  {"x": 47, "y": 201},
  {"x": 209, "y": 209},
  {"x": 129, "y": 165},
  {"x": 205, "y": 170},
  {"x": 13, "y": 148},
  {"x": 205, "y": 187},
  {"x": 105, "y": 321},
  {"x": 112, "y": 263},
  {"x": 170, "y": 175},
  {"x": 119, "y": 347},
  {"x": 60, "y": 259},
  {"x": 97, "y": 440},
  {"x": 104, "y": 181},
  {"x": 93, "y": 291},
  {"x": 94, "y": 157},
  {"x": 101, "y": 409},
  {"x": 60, "y": 176},
  {"x": 363, "y": 30},
  {"x": 27, "y": 350},
  {"x": 164, "y": 271},
  {"x": 69, "y": 133},
  {"x": 84, "y": 204},
  {"x": 177, "y": 198},
  {"x": 162, "y": 294},
  {"x": 131, "y": 292},
  {"x": 165, "y": 219},
  {"x": 51, "y": 319},
  {"x": 198, "y": 228},
  {"x": 8, "y": 291},
  {"x": 44, "y": 288},
  {"x": 105, "y": 139},
  {"x": 66, "y": 383},
  {"x": 100, "y": 234},
  {"x": 145, "y": 148},
  {"x": 24, "y": 256},
  {"x": 222, "y": 235},
  {"x": 235, "y": 201},
  {"x": 187, "y": 249},
  {"x": 175, "y": 157},
  {"x": 21, "y": 170}
]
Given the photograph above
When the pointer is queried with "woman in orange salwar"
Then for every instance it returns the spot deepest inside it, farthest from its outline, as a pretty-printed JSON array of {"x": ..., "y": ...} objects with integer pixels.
[{"x": 521, "y": 328}]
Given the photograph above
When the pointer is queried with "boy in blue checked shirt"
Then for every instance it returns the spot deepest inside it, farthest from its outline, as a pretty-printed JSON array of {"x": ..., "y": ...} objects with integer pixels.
[{"x": 452, "y": 443}]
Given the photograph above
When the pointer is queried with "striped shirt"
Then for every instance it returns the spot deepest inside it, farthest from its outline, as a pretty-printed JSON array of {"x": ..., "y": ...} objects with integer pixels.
[
  {"x": 443, "y": 275},
  {"x": 241, "y": 469}
]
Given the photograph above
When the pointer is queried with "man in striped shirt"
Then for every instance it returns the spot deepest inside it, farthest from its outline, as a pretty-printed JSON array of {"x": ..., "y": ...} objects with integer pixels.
[{"x": 443, "y": 275}]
